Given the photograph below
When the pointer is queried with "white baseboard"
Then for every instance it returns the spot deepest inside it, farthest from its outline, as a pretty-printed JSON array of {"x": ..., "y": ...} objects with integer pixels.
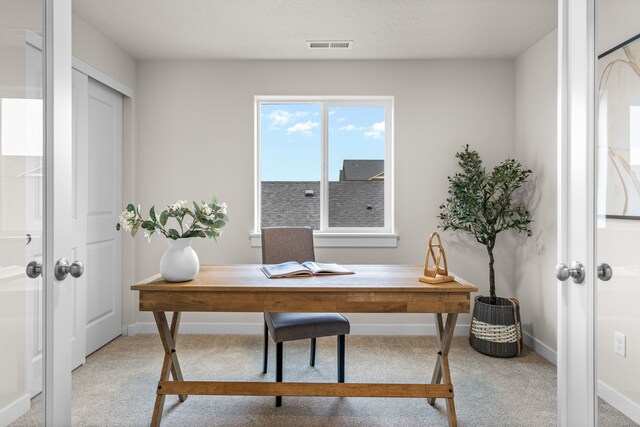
[
  {"x": 619, "y": 401},
  {"x": 15, "y": 410},
  {"x": 130, "y": 330},
  {"x": 540, "y": 348},
  {"x": 258, "y": 328}
]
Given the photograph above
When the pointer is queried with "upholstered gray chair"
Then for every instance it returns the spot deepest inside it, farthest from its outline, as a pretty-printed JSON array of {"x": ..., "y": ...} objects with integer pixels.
[{"x": 282, "y": 244}]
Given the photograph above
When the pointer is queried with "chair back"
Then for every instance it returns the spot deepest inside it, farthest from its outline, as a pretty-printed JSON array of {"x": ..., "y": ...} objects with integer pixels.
[{"x": 282, "y": 244}]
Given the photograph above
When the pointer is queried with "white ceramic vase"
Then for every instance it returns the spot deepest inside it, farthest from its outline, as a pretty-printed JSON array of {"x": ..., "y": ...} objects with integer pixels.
[{"x": 180, "y": 262}]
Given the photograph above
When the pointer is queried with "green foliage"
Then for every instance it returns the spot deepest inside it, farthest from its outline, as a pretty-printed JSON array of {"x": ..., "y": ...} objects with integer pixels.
[
  {"x": 205, "y": 220},
  {"x": 483, "y": 205}
]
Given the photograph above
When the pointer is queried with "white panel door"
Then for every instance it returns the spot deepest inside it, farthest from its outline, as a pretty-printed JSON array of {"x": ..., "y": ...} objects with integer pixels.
[{"x": 104, "y": 203}]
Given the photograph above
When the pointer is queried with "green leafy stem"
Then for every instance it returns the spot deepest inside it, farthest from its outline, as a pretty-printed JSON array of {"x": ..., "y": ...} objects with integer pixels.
[{"x": 202, "y": 220}]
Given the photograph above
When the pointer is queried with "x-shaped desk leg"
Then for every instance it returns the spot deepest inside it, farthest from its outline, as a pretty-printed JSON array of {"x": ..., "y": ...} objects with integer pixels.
[
  {"x": 445, "y": 335},
  {"x": 170, "y": 365}
]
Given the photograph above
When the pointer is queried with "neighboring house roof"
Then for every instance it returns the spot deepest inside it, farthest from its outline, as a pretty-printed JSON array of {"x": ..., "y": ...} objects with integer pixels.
[
  {"x": 284, "y": 204},
  {"x": 361, "y": 170},
  {"x": 351, "y": 203}
]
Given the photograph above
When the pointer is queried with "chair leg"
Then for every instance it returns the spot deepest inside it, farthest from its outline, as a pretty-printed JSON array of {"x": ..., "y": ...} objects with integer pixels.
[
  {"x": 312, "y": 355},
  {"x": 265, "y": 356},
  {"x": 341, "y": 358},
  {"x": 279, "y": 370}
]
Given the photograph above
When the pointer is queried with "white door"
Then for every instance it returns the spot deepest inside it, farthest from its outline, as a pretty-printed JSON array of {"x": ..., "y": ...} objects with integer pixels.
[
  {"x": 35, "y": 218},
  {"x": 103, "y": 205},
  {"x": 21, "y": 210},
  {"x": 35, "y": 193},
  {"x": 576, "y": 215},
  {"x": 58, "y": 290},
  {"x": 34, "y": 247},
  {"x": 618, "y": 195}
]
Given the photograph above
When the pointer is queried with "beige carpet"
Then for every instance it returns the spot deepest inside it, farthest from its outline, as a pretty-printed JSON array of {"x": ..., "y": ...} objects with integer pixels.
[{"x": 117, "y": 385}]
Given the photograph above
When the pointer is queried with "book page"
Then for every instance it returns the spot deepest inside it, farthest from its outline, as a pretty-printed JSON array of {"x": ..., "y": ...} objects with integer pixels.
[
  {"x": 286, "y": 269},
  {"x": 326, "y": 268}
]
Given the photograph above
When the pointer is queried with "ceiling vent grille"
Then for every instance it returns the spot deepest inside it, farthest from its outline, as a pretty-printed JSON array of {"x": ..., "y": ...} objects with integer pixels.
[{"x": 330, "y": 44}]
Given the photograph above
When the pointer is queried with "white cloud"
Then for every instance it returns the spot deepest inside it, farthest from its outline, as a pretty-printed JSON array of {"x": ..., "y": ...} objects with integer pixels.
[
  {"x": 332, "y": 112},
  {"x": 303, "y": 127},
  {"x": 377, "y": 130},
  {"x": 351, "y": 128},
  {"x": 279, "y": 118},
  {"x": 341, "y": 119}
]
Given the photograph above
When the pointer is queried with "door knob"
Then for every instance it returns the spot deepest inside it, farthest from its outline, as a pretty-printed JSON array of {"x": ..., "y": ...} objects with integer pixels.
[
  {"x": 63, "y": 268},
  {"x": 34, "y": 269},
  {"x": 605, "y": 272},
  {"x": 576, "y": 272}
]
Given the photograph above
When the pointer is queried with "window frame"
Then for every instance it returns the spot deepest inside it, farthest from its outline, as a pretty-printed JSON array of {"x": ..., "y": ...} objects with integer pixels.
[{"x": 327, "y": 236}]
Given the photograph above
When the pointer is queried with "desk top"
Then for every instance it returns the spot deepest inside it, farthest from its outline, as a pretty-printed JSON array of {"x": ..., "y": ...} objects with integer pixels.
[{"x": 249, "y": 278}]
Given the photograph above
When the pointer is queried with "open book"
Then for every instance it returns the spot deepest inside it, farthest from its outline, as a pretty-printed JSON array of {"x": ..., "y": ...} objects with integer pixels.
[{"x": 295, "y": 269}]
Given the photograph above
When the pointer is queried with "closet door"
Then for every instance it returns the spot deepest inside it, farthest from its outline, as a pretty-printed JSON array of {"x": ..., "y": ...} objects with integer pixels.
[
  {"x": 97, "y": 202},
  {"x": 103, "y": 315}
]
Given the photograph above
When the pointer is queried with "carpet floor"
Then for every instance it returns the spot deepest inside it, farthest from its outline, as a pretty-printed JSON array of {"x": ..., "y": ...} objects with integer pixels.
[{"x": 116, "y": 386}]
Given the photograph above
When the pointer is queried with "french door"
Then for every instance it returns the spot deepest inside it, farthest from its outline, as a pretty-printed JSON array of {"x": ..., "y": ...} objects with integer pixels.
[
  {"x": 35, "y": 210},
  {"x": 576, "y": 215},
  {"x": 58, "y": 290},
  {"x": 598, "y": 199}
]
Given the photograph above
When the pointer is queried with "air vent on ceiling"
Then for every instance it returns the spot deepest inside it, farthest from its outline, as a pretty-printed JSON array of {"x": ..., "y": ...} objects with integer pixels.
[{"x": 330, "y": 44}]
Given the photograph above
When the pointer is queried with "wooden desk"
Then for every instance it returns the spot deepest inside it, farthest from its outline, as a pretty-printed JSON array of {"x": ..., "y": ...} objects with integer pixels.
[{"x": 244, "y": 288}]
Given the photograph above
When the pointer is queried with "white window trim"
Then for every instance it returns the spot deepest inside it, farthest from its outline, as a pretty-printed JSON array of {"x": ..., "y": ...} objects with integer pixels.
[{"x": 335, "y": 236}]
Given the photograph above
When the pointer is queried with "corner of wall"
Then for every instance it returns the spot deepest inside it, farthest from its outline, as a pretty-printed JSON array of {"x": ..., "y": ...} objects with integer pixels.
[{"x": 535, "y": 146}]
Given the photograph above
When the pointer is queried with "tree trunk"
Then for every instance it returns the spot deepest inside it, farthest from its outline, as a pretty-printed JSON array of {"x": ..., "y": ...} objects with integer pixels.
[{"x": 492, "y": 276}]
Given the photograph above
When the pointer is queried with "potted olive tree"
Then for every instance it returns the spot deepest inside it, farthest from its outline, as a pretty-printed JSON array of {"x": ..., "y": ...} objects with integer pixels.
[{"x": 483, "y": 205}]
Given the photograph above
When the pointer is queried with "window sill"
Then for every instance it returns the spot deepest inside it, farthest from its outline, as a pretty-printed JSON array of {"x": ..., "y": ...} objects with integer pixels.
[{"x": 343, "y": 240}]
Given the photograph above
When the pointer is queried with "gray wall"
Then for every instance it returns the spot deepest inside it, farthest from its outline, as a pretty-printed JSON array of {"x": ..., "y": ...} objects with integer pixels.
[
  {"x": 536, "y": 126},
  {"x": 196, "y": 138}
]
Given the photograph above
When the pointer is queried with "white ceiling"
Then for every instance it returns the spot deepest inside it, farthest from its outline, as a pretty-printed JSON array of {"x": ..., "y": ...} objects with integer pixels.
[{"x": 279, "y": 29}]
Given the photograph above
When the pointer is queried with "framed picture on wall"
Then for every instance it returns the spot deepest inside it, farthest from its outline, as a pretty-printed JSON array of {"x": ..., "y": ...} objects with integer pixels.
[{"x": 618, "y": 130}]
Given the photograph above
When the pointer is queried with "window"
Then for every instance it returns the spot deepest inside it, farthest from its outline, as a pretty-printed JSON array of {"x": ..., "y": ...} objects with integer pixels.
[{"x": 325, "y": 163}]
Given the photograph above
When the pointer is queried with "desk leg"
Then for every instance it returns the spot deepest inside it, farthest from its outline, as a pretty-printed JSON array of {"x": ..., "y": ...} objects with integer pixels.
[
  {"x": 444, "y": 332},
  {"x": 170, "y": 365},
  {"x": 176, "y": 372}
]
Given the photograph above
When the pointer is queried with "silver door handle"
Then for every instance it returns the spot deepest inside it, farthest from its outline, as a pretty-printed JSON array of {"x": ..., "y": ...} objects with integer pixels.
[
  {"x": 605, "y": 272},
  {"x": 63, "y": 268},
  {"x": 34, "y": 269},
  {"x": 576, "y": 272}
]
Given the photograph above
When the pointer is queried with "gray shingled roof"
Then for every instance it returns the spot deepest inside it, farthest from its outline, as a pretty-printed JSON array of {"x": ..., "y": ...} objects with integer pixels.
[
  {"x": 284, "y": 204},
  {"x": 360, "y": 170},
  {"x": 351, "y": 204}
]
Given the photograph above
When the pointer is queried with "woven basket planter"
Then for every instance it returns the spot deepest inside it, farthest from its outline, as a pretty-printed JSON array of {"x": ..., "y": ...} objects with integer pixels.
[{"x": 496, "y": 329}]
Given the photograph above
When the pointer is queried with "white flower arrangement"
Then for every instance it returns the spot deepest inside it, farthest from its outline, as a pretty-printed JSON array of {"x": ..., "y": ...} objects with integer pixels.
[{"x": 204, "y": 220}]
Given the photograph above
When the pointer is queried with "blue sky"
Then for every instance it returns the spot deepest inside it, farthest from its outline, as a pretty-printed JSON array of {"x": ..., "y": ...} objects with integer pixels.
[{"x": 290, "y": 139}]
